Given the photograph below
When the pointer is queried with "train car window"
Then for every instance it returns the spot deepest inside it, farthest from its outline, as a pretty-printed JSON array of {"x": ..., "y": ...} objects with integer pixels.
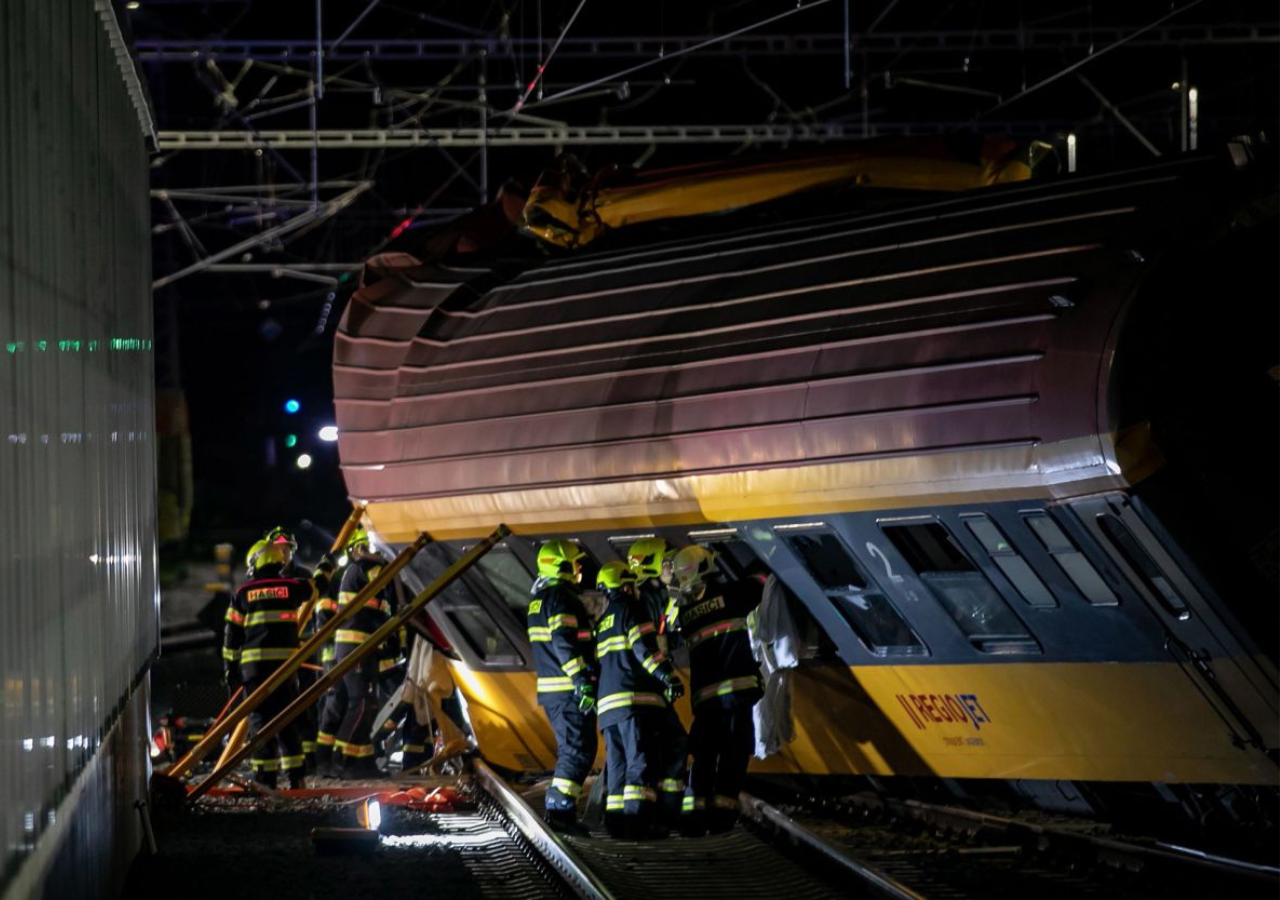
[
  {"x": 1147, "y": 568},
  {"x": 464, "y": 612},
  {"x": 868, "y": 612},
  {"x": 507, "y": 575},
  {"x": 428, "y": 626},
  {"x": 482, "y": 634},
  {"x": 1015, "y": 568},
  {"x": 734, "y": 557},
  {"x": 962, "y": 590},
  {"x": 1072, "y": 562}
]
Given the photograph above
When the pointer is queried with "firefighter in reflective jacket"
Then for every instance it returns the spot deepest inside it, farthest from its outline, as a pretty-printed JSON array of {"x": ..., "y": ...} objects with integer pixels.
[
  {"x": 563, "y": 656},
  {"x": 637, "y": 686},
  {"x": 333, "y": 705},
  {"x": 725, "y": 685},
  {"x": 289, "y": 544},
  {"x": 261, "y": 633},
  {"x": 353, "y": 747},
  {"x": 650, "y": 560},
  {"x": 308, "y": 723}
]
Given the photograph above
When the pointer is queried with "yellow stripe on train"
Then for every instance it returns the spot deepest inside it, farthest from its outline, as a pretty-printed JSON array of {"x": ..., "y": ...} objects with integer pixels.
[
  {"x": 1077, "y": 721},
  {"x": 1044, "y": 471}
]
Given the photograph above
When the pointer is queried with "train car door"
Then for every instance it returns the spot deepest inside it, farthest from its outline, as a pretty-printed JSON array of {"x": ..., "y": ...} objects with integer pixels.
[{"x": 1200, "y": 634}]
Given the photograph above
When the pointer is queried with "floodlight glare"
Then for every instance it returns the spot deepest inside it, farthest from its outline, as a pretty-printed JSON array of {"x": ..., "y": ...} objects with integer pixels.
[{"x": 370, "y": 814}]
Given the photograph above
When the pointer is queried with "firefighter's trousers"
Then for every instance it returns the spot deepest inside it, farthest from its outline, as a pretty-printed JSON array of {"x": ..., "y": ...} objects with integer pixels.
[
  {"x": 333, "y": 709},
  {"x": 355, "y": 741},
  {"x": 282, "y": 754},
  {"x": 721, "y": 740},
  {"x": 576, "y": 744},
  {"x": 671, "y": 748},
  {"x": 630, "y": 767}
]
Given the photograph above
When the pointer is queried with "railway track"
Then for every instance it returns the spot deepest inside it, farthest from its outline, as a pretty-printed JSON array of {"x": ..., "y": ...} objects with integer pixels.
[
  {"x": 874, "y": 848},
  {"x": 745, "y": 864},
  {"x": 956, "y": 854}
]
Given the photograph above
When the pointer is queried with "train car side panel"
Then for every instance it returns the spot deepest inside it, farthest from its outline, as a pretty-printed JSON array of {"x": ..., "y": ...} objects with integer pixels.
[{"x": 1087, "y": 722}]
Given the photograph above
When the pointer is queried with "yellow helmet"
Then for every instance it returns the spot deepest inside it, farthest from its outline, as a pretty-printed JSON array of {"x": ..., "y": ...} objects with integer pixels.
[
  {"x": 265, "y": 553},
  {"x": 359, "y": 538},
  {"x": 614, "y": 575},
  {"x": 248, "y": 557},
  {"x": 692, "y": 566},
  {"x": 558, "y": 559},
  {"x": 646, "y": 555},
  {"x": 279, "y": 535}
]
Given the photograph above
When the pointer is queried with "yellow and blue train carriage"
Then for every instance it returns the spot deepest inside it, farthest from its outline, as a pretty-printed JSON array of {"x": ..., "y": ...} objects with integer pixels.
[
  {"x": 978, "y": 437},
  {"x": 991, "y": 641}
]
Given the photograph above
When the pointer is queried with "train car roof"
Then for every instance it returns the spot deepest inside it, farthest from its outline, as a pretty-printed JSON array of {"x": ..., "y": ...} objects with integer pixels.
[{"x": 817, "y": 354}]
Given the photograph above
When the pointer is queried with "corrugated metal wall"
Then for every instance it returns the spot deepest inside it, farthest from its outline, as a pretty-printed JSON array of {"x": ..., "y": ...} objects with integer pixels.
[{"x": 79, "y": 613}]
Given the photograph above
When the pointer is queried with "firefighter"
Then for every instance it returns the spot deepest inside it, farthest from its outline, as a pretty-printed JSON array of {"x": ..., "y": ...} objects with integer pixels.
[
  {"x": 725, "y": 686},
  {"x": 333, "y": 705},
  {"x": 650, "y": 559},
  {"x": 563, "y": 655},
  {"x": 637, "y": 686},
  {"x": 261, "y": 633},
  {"x": 289, "y": 543},
  {"x": 308, "y": 724},
  {"x": 353, "y": 748}
]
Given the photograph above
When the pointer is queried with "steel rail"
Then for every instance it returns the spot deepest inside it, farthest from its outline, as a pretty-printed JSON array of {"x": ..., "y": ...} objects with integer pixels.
[
  {"x": 880, "y": 883},
  {"x": 554, "y": 850},
  {"x": 587, "y": 884},
  {"x": 1165, "y": 855}
]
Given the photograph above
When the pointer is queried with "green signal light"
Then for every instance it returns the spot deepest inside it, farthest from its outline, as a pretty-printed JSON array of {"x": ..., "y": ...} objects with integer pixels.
[{"x": 291, "y": 440}]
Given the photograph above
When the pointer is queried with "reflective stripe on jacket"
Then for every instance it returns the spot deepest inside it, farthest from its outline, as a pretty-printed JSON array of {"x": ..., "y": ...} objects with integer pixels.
[
  {"x": 262, "y": 624},
  {"x": 560, "y": 632},
  {"x": 722, "y": 668},
  {"x": 634, "y": 670},
  {"x": 374, "y": 613}
]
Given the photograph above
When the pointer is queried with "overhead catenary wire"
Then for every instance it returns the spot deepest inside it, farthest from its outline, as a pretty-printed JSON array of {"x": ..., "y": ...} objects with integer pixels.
[
  {"x": 542, "y": 66},
  {"x": 1088, "y": 59},
  {"x": 669, "y": 56},
  {"x": 352, "y": 27}
]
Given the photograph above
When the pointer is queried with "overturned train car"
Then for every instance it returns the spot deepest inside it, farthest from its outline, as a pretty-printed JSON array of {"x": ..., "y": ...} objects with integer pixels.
[{"x": 989, "y": 442}]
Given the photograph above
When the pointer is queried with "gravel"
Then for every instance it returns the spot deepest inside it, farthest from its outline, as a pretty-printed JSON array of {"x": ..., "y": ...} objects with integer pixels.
[{"x": 241, "y": 850}]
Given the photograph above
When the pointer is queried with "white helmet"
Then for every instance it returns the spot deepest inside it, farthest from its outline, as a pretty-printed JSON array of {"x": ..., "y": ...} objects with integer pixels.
[{"x": 692, "y": 566}]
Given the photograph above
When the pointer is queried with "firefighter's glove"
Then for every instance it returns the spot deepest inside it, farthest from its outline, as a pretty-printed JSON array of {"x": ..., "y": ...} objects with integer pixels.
[
  {"x": 328, "y": 564},
  {"x": 585, "y": 693},
  {"x": 674, "y": 690}
]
